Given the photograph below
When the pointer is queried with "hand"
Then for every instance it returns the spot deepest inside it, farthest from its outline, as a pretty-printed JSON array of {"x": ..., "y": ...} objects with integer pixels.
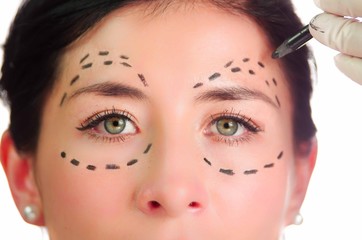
[{"x": 342, "y": 34}]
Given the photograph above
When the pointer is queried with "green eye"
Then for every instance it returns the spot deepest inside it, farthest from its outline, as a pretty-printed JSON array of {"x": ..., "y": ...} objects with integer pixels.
[
  {"x": 114, "y": 125},
  {"x": 227, "y": 126}
]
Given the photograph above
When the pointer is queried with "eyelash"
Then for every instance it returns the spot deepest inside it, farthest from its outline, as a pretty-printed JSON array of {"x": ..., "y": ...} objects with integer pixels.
[
  {"x": 250, "y": 126},
  {"x": 97, "y": 118}
]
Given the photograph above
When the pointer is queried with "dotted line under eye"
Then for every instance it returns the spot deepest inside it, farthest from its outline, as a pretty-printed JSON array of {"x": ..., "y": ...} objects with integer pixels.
[
  {"x": 231, "y": 172},
  {"x": 111, "y": 166}
]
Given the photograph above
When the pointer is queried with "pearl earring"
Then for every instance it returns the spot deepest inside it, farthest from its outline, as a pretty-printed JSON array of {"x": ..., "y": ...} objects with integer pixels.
[
  {"x": 298, "y": 220},
  {"x": 30, "y": 213}
]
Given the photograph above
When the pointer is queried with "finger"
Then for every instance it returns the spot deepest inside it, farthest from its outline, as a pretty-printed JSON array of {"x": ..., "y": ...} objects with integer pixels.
[
  {"x": 351, "y": 8},
  {"x": 341, "y": 34},
  {"x": 350, "y": 66}
]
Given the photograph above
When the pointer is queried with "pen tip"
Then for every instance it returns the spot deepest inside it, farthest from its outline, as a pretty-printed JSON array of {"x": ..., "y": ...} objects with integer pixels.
[{"x": 275, "y": 55}]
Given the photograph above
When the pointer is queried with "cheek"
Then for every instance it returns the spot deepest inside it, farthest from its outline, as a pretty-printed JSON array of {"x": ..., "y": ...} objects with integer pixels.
[
  {"x": 254, "y": 202},
  {"x": 67, "y": 182}
]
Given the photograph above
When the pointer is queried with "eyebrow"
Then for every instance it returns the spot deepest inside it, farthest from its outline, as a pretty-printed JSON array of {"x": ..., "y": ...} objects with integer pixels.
[
  {"x": 233, "y": 94},
  {"x": 111, "y": 89}
]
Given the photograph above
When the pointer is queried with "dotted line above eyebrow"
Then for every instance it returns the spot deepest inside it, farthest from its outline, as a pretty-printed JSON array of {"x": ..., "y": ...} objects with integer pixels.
[
  {"x": 108, "y": 62},
  {"x": 214, "y": 76},
  {"x": 275, "y": 82},
  {"x": 280, "y": 155},
  {"x": 267, "y": 83},
  {"x": 74, "y": 80},
  {"x": 277, "y": 99},
  {"x": 228, "y": 64},
  {"x": 143, "y": 80},
  {"x": 261, "y": 64},
  {"x": 124, "y": 57},
  {"x": 235, "y": 69},
  {"x": 63, "y": 99},
  {"x": 103, "y": 53},
  {"x": 88, "y": 65},
  {"x": 63, "y": 154},
  {"x": 132, "y": 162},
  {"x": 84, "y": 58},
  {"x": 126, "y": 64},
  {"x": 246, "y": 59},
  {"x": 198, "y": 85},
  {"x": 251, "y": 72},
  {"x": 207, "y": 161}
]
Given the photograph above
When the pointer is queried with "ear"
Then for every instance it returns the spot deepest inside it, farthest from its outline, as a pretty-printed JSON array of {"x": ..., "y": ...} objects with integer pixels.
[
  {"x": 306, "y": 155},
  {"x": 20, "y": 174}
]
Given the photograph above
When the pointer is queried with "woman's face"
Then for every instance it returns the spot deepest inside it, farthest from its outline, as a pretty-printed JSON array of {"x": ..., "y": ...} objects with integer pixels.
[{"x": 171, "y": 126}]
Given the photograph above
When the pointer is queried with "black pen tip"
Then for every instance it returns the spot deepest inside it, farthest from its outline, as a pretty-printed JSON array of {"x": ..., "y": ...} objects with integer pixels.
[{"x": 275, "y": 54}]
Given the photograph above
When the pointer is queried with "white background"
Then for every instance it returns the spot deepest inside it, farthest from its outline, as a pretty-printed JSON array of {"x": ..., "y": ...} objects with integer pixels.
[{"x": 333, "y": 206}]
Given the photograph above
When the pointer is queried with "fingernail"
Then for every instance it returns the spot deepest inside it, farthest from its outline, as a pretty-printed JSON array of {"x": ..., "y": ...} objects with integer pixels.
[{"x": 314, "y": 24}]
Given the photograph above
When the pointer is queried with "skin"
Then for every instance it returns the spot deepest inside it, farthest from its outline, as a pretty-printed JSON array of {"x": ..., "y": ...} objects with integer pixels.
[{"x": 170, "y": 192}]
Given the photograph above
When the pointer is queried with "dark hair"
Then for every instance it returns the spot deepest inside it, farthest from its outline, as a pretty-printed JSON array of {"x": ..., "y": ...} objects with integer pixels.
[{"x": 42, "y": 29}]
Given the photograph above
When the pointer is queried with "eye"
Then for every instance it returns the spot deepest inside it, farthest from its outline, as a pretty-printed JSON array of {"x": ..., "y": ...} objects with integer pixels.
[
  {"x": 114, "y": 125},
  {"x": 110, "y": 125},
  {"x": 227, "y": 127},
  {"x": 231, "y": 128}
]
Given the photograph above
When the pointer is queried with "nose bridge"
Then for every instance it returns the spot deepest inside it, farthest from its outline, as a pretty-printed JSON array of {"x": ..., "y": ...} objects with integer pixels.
[{"x": 172, "y": 185}]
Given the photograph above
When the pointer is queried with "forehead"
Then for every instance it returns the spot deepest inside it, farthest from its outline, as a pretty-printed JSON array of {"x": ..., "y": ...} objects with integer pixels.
[
  {"x": 179, "y": 46},
  {"x": 198, "y": 32}
]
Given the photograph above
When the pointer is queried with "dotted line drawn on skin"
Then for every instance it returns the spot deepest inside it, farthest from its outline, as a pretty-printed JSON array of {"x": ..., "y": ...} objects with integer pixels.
[
  {"x": 235, "y": 69},
  {"x": 110, "y": 166},
  {"x": 107, "y": 62},
  {"x": 231, "y": 172}
]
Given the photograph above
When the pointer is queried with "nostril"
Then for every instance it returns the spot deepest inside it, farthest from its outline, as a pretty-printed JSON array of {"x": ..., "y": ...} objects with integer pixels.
[
  {"x": 194, "y": 205},
  {"x": 154, "y": 205}
]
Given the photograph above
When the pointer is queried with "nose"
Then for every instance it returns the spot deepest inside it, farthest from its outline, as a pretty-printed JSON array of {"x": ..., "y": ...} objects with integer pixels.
[{"x": 173, "y": 185}]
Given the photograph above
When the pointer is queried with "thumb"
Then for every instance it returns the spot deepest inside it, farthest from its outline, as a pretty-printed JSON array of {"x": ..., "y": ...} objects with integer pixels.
[
  {"x": 350, "y": 66},
  {"x": 339, "y": 33}
]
